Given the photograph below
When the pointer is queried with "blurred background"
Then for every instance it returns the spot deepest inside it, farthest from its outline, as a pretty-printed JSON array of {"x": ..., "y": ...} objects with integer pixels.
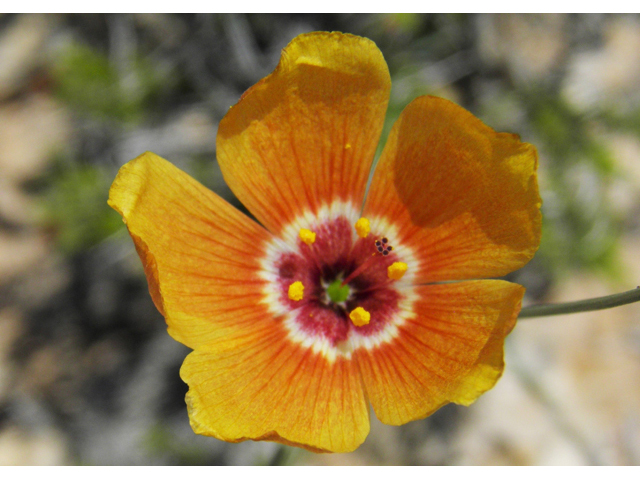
[{"x": 88, "y": 374}]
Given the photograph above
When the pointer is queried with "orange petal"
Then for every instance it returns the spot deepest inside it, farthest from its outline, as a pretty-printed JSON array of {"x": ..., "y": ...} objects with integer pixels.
[
  {"x": 263, "y": 387},
  {"x": 199, "y": 253},
  {"x": 463, "y": 196},
  {"x": 306, "y": 135},
  {"x": 432, "y": 360},
  {"x": 488, "y": 368}
]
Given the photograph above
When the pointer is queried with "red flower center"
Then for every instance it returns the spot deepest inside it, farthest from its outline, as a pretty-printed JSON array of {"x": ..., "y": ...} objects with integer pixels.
[{"x": 338, "y": 255}]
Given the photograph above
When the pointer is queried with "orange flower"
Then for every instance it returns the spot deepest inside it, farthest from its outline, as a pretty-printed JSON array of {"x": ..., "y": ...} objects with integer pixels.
[{"x": 298, "y": 324}]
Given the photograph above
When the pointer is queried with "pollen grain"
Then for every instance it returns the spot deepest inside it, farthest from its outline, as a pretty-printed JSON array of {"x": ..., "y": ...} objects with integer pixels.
[
  {"x": 396, "y": 270},
  {"x": 363, "y": 227},
  {"x": 359, "y": 316},
  {"x": 307, "y": 236},
  {"x": 296, "y": 290}
]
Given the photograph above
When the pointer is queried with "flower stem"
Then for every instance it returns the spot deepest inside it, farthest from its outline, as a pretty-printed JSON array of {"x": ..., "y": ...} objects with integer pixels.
[{"x": 599, "y": 303}]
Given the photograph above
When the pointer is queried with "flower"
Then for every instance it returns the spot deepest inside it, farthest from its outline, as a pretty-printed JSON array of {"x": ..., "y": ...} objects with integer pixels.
[{"x": 336, "y": 301}]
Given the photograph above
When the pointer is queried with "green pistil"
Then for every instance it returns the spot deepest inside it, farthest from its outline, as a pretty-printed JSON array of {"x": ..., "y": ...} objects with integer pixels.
[{"x": 338, "y": 293}]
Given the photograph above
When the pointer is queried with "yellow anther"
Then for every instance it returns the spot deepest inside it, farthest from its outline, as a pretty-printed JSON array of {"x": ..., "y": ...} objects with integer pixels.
[
  {"x": 362, "y": 227},
  {"x": 359, "y": 316},
  {"x": 396, "y": 270},
  {"x": 295, "y": 291},
  {"x": 347, "y": 146},
  {"x": 307, "y": 236}
]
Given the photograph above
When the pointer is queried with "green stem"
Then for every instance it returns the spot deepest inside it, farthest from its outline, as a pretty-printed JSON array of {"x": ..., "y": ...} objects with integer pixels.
[{"x": 599, "y": 303}]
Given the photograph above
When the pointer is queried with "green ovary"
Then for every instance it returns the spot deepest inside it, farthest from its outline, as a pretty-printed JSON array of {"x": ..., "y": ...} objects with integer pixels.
[{"x": 338, "y": 293}]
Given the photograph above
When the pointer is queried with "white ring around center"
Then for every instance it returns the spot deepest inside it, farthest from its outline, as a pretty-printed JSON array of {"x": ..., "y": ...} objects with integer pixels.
[{"x": 289, "y": 244}]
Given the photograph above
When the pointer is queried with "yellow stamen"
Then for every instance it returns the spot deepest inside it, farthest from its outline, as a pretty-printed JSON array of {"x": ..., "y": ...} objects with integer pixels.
[
  {"x": 359, "y": 316},
  {"x": 362, "y": 227},
  {"x": 396, "y": 270},
  {"x": 307, "y": 236},
  {"x": 295, "y": 291},
  {"x": 347, "y": 146}
]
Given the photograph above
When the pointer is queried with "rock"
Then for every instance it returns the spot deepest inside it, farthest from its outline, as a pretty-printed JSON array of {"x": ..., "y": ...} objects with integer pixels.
[
  {"x": 610, "y": 74},
  {"x": 31, "y": 131},
  {"x": 20, "y": 447},
  {"x": 11, "y": 328},
  {"x": 529, "y": 46},
  {"x": 16, "y": 207},
  {"x": 21, "y": 47},
  {"x": 19, "y": 252}
]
